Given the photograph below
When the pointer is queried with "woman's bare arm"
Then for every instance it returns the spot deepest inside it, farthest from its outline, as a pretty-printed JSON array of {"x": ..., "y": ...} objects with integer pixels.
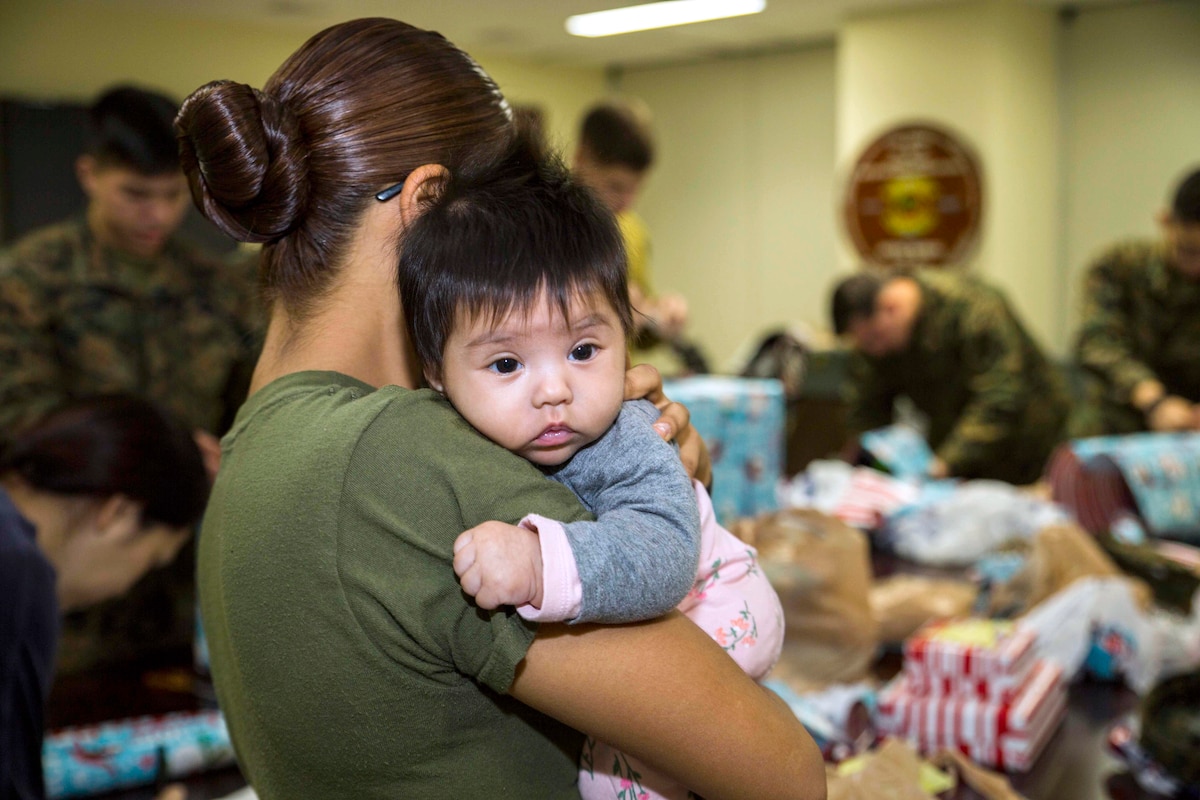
[{"x": 665, "y": 693}]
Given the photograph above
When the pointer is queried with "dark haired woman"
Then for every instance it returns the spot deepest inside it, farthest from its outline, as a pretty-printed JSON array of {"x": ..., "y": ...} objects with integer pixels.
[
  {"x": 346, "y": 659},
  {"x": 92, "y": 497}
]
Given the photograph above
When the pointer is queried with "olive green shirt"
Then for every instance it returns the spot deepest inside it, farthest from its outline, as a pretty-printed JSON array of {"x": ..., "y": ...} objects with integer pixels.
[
  {"x": 996, "y": 406},
  {"x": 1141, "y": 321},
  {"x": 347, "y": 661}
]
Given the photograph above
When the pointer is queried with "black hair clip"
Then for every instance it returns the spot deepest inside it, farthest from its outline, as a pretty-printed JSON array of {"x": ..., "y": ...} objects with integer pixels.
[{"x": 390, "y": 192}]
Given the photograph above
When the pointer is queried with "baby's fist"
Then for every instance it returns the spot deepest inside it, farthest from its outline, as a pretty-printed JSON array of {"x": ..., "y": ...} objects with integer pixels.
[{"x": 499, "y": 564}]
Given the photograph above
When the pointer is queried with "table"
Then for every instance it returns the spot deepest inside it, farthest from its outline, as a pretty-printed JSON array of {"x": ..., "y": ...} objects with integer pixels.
[{"x": 1074, "y": 766}]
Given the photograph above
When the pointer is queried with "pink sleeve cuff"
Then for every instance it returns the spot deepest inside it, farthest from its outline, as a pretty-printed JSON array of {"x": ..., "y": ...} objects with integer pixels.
[{"x": 562, "y": 591}]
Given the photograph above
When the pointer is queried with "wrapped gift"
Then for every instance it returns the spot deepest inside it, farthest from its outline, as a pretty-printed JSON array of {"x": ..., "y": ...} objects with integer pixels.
[
  {"x": 1153, "y": 478},
  {"x": 978, "y": 657},
  {"x": 131, "y": 752},
  {"x": 742, "y": 422},
  {"x": 1006, "y": 734},
  {"x": 900, "y": 449}
]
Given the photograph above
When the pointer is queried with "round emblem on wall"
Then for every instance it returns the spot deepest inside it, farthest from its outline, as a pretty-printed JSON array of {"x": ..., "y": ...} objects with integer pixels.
[{"x": 914, "y": 198}]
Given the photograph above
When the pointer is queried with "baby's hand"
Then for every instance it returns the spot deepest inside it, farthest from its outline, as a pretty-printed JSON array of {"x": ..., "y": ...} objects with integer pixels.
[{"x": 499, "y": 565}]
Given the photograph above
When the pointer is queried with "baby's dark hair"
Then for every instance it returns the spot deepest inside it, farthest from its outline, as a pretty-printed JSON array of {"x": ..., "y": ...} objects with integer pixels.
[
  {"x": 854, "y": 298},
  {"x": 104, "y": 445},
  {"x": 133, "y": 128},
  {"x": 1185, "y": 205},
  {"x": 498, "y": 235}
]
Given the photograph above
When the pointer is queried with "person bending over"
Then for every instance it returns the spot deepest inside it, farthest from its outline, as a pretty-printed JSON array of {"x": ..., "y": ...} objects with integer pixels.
[
  {"x": 92, "y": 497},
  {"x": 996, "y": 406}
]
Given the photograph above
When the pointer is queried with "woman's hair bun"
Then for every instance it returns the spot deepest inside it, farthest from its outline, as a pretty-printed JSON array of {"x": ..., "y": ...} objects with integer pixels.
[{"x": 245, "y": 160}]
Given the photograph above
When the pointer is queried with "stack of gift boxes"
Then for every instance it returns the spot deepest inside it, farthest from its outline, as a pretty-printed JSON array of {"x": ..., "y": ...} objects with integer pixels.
[{"x": 975, "y": 686}]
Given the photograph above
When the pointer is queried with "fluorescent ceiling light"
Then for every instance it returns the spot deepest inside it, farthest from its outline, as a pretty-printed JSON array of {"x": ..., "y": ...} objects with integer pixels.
[{"x": 659, "y": 15}]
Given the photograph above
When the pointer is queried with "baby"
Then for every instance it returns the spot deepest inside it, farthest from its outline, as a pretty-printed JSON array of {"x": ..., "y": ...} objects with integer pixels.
[{"x": 513, "y": 282}]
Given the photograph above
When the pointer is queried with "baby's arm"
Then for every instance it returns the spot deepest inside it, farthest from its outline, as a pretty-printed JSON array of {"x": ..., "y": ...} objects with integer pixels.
[
  {"x": 639, "y": 558},
  {"x": 636, "y": 561}
]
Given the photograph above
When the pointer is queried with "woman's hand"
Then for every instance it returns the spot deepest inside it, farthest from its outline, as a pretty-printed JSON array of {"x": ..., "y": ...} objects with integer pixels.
[{"x": 643, "y": 381}]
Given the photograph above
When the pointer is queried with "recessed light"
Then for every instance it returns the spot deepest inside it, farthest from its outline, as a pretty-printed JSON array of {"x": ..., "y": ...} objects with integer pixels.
[{"x": 658, "y": 15}]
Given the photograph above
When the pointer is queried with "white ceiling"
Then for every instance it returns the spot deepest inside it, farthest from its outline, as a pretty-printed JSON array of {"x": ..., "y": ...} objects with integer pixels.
[{"x": 533, "y": 29}]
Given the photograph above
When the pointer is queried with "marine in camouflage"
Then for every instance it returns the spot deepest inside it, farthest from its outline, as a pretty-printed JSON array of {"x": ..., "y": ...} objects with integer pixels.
[
  {"x": 1141, "y": 321},
  {"x": 181, "y": 329},
  {"x": 78, "y": 318},
  {"x": 996, "y": 406}
]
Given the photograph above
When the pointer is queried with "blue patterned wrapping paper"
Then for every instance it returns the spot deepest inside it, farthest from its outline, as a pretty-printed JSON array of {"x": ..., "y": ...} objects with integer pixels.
[
  {"x": 78, "y": 762},
  {"x": 901, "y": 449},
  {"x": 1162, "y": 471},
  {"x": 742, "y": 422}
]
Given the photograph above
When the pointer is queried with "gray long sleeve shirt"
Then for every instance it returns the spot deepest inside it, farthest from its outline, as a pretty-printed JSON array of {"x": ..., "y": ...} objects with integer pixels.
[{"x": 639, "y": 558}]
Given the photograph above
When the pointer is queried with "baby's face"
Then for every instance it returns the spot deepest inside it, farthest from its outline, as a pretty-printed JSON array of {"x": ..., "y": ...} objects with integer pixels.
[{"x": 539, "y": 385}]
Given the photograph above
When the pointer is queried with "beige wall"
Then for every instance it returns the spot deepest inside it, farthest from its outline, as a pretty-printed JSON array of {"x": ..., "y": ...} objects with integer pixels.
[
  {"x": 740, "y": 204},
  {"x": 985, "y": 69},
  {"x": 1083, "y": 126},
  {"x": 1132, "y": 123},
  {"x": 71, "y": 49}
]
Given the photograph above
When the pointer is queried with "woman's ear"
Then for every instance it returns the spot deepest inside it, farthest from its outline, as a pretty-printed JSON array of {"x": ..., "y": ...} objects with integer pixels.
[{"x": 421, "y": 187}]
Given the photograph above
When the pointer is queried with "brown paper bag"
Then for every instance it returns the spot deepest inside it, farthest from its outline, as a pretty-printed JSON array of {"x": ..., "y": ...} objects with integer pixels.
[
  {"x": 821, "y": 569},
  {"x": 1058, "y": 556},
  {"x": 894, "y": 772},
  {"x": 903, "y": 603}
]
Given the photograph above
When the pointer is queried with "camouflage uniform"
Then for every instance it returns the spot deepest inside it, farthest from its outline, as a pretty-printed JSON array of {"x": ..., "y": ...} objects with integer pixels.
[
  {"x": 79, "y": 318},
  {"x": 996, "y": 405},
  {"x": 1141, "y": 321}
]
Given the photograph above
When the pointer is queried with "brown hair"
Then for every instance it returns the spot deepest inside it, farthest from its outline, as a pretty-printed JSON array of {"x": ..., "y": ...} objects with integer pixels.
[
  {"x": 355, "y": 109},
  {"x": 103, "y": 445},
  {"x": 617, "y": 132}
]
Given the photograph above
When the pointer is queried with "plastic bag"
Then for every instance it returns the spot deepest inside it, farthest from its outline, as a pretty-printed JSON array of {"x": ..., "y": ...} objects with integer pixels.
[
  {"x": 957, "y": 527},
  {"x": 1102, "y": 624}
]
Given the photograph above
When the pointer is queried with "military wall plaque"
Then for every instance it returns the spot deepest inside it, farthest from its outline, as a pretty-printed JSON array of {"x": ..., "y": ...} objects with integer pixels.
[{"x": 914, "y": 198}]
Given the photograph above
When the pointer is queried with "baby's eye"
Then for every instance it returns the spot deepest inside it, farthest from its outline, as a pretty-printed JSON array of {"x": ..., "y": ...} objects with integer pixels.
[
  {"x": 505, "y": 366},
  {"x": 583, "y": 352}
]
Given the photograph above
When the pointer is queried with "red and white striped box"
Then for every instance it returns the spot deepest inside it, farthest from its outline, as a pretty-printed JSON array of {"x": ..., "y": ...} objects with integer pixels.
[
  {"x": 1007, "y": 735},
  {"x": 980, "y": 657}
]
